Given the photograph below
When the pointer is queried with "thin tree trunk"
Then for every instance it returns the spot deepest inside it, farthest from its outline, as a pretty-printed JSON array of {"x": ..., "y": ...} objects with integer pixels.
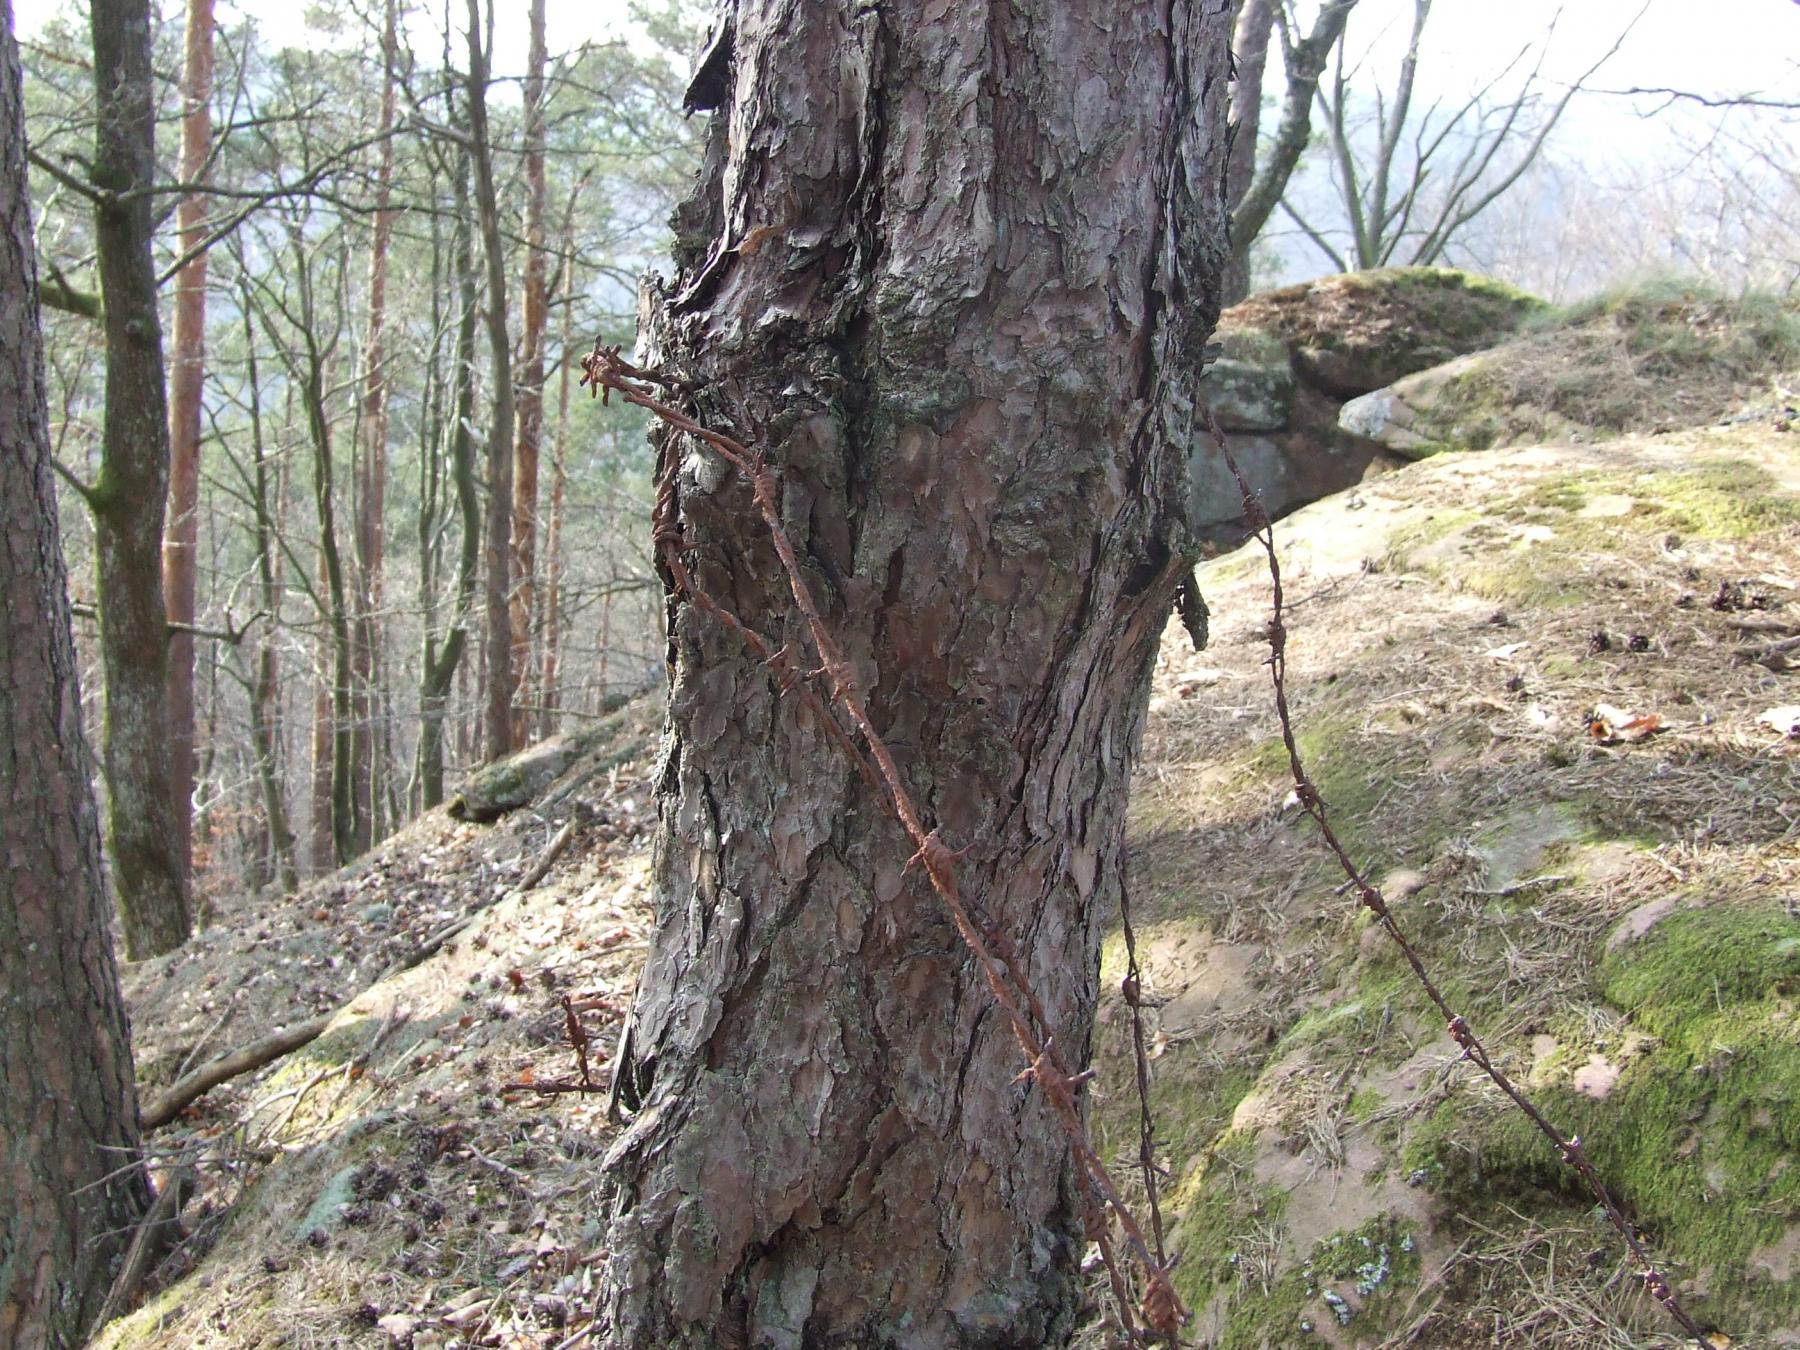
[
  {"x": 531, "y": 383},
  {"x": 265, "y": 692},
  {"x": 498, "y": 645},
  {"x": 1250, "y": 49},
  {"x": 443, "y": 656},
  {"x": 70, "y": 1188},
  {"x": 553, "y": 539},
  {"x": 1304, "y": 59},
  {"x": 128, "y": 501},
  {"x": 552, "y": 621},
  {"x": 337, "y": 617},
  {"x": 371, "y": 539},
  {"x": 974, "y": 378},
  {"x": 187, "y": 373},
  {"x": 321, "y": 849}
]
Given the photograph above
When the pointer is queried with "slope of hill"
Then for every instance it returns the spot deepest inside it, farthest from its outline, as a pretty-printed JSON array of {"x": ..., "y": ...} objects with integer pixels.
[{"x": 1617, "y": 913}]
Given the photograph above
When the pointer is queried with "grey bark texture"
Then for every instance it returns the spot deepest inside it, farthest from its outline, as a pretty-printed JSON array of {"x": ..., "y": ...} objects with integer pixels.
[
  {"x": 66, "y": 1091},
  {"x": 1250, "y": 52},
  {"x": 142, "y": 832},
  {"x": 497, "y": 553},
  {"x": 951, "y": 267},
  {"x": 1305, "y": 59}
]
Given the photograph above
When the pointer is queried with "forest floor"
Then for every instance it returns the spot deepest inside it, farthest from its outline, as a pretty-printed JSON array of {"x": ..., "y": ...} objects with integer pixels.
[
  {"x": 1614, "y": 903},
  {"x": 1546, "y": 693}
]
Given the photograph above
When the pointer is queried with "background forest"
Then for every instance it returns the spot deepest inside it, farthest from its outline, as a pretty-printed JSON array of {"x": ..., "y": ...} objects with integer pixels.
[
  {"x": 389, "y": 238},
  {"x": 347, "y": 540},
  {"x": 371, "y": 248}
]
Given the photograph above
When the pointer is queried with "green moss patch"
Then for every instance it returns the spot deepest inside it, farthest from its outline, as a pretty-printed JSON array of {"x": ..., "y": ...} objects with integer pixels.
[
  {"x": 1223, "y": 1212},
  {"x": 1700, "y": 1135}
]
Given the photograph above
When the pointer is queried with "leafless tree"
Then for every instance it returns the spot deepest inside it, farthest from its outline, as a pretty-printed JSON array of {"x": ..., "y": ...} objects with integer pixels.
[
  {"x": 1258, "y": 174},
  {"x": 1408, "y": 180}
]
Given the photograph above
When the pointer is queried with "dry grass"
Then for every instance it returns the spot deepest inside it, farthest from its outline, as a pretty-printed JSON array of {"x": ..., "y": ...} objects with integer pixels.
[{"x": 1443, "y": 660}]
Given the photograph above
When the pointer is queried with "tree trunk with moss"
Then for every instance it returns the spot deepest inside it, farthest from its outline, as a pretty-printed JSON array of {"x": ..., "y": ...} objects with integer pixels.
[
  {"x": 952, "y": 272},
  {"x": 149, "y": 868},
  {"x": 68, "y": 1108}
]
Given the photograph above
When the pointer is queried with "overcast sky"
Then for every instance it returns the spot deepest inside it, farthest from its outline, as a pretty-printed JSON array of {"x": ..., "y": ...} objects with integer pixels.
[{"x": 1734, "y": 45}]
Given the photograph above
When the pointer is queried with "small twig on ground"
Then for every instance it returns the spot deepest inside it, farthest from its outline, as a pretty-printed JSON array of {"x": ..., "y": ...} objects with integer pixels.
[
  {"x": 168, "y": 1104},
  {"x": 557, "y": 846},
  {"x": 148, "y": 1241},
  {"x": 1768, "y": 653},
  {"x": 1568, "y": 1147},
  {"x": 1519, "y": 887},
  {"x": 205, "y": 1036}
]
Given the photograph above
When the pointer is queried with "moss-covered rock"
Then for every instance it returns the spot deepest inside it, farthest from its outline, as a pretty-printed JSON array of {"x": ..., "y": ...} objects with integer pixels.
[
  {"x": 1250, "y": 395},
  {"x": 1354, "y": 333},
  {"x": 1695, "y": 1125},
  {"x": 1290, "y": 358},
  {"x": 1650, "y": 359}
]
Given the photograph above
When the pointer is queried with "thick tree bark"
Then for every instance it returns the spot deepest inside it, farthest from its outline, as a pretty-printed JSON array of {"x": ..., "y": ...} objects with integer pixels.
[
  {"x": 187, "y": 375},
  {"x": 149, "y": 871},
  {"x": 498, "y": 556},
  {"x": 531, "y": 383},
  {"x": 951, "y": 270},
  {"x": 66, "y": 1091}
]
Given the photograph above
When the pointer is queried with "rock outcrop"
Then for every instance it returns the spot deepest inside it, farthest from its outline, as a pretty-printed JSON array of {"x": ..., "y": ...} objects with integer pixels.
[
  {"x": 1647, "y": 360},
  {"x": 1290, "y": 359}
]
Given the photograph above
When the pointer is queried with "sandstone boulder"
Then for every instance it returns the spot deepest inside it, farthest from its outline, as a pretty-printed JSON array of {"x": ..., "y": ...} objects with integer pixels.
[
  {"x": 1353, "y": 333},
  {"x": 1290, "y": 358}
]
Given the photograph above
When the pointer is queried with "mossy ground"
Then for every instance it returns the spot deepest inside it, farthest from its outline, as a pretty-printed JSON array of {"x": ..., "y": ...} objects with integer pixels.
[
  {"x": 1440, "y": 686},
  {"x": 1663, "y": 354}
]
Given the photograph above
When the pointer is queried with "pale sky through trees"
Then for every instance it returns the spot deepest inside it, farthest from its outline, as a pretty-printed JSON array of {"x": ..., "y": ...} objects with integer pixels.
[{"x": 1739, "y": 45}]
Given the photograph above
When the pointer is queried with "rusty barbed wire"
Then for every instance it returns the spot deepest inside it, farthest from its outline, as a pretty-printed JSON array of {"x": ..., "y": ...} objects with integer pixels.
[
  {"x": 1568, "y": 1147},
  {"x": 606, "y": 371},
  {"x": 1132, "y": 990}
]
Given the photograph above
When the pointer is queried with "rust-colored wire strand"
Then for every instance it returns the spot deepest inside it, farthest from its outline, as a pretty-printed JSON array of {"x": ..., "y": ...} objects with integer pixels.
[
  {"x": 1568, "y": 1147},
  {"x": 606, "y": 371}
]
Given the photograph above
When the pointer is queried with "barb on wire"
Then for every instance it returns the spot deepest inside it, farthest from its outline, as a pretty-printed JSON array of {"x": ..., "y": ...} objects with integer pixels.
[
  {"x": 1568, "y": 1147},
  {"x": 604, "y": 372},
  {"x": 1133, "y": 991}
]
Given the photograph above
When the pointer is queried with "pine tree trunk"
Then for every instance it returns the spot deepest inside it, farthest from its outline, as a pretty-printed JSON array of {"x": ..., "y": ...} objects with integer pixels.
[
  {"x": 531, "y": 385},
  {"x": 951, "y": 271},
  {"x": 68, "y": 1106},
  {"x": 149, "y": 869},
  {"x": 497, "y": 650},
  {"x": 187, "y": 375}
]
